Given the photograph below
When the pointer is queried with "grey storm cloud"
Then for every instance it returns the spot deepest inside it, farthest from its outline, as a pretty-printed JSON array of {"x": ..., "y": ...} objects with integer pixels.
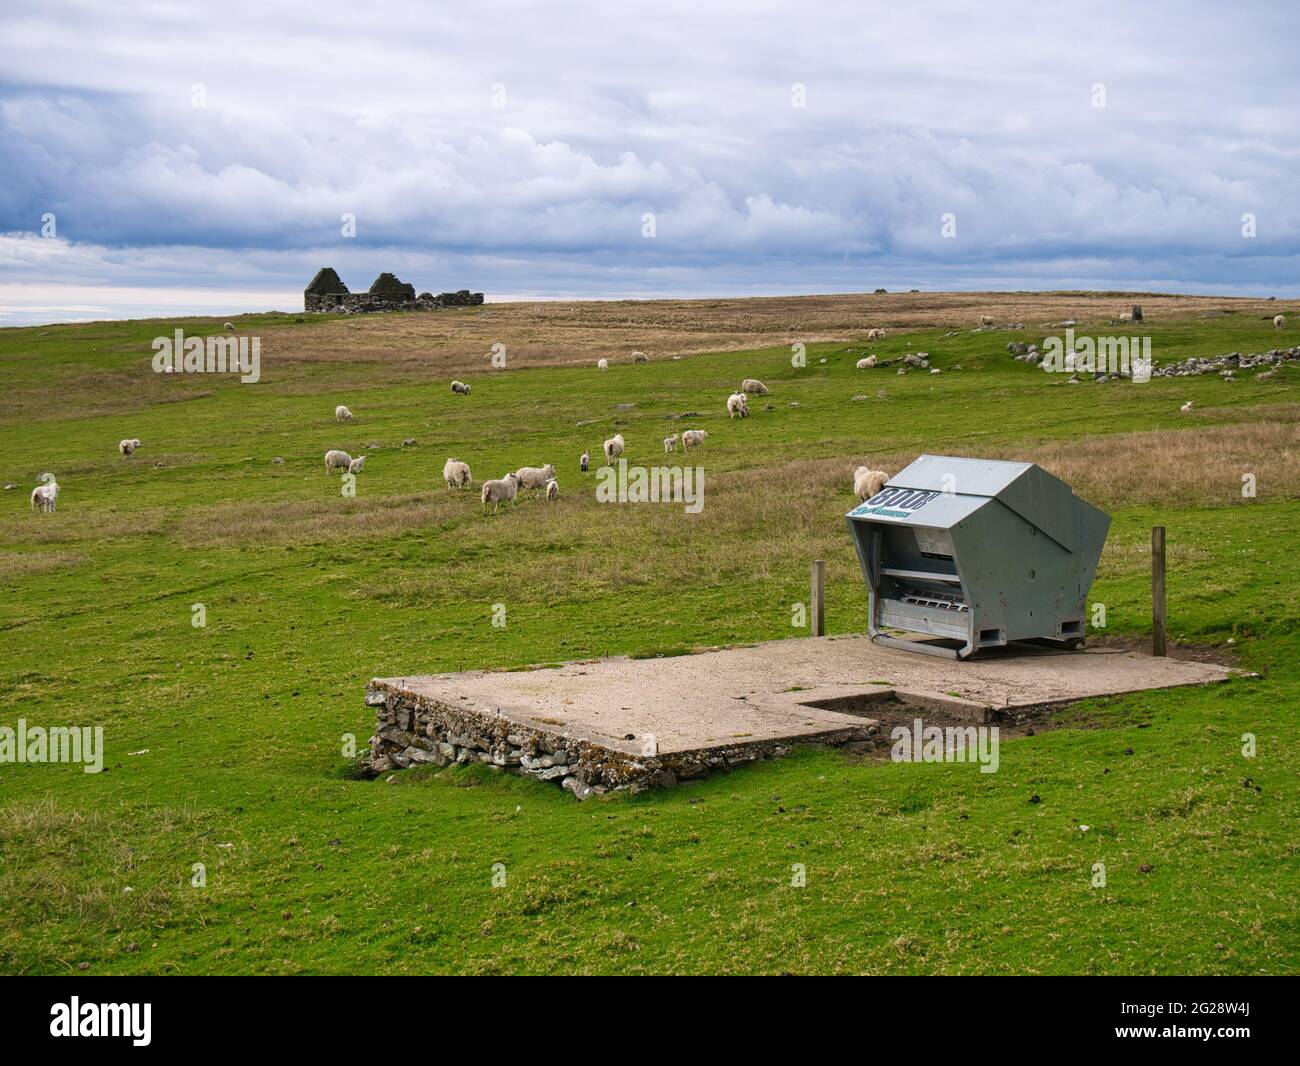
[{"x": 518, "y": 147}]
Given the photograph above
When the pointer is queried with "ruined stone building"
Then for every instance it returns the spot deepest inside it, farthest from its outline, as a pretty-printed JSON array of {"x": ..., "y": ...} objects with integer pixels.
[{"x": 387, "y": 293}]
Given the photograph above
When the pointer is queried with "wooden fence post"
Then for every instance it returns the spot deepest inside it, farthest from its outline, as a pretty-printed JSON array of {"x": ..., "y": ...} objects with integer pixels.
[
  {"x": 1158, "y": 590},
  {"x": 818, "y": 605}
]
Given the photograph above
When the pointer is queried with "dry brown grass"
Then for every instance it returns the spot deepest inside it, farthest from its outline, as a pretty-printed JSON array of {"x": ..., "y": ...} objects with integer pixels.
[{"x": 24, "y": 564}]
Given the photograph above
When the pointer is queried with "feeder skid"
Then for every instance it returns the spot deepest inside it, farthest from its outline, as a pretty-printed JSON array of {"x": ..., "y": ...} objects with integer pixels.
[{"x": 978, "y": 552}]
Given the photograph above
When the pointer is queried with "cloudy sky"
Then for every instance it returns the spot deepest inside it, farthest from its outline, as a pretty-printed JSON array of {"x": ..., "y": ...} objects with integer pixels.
[{"x": 202, "y": 157}]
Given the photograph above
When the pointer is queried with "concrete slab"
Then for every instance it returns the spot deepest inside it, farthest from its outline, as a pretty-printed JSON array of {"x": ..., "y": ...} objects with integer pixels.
[{"x": 766, "y": 696}]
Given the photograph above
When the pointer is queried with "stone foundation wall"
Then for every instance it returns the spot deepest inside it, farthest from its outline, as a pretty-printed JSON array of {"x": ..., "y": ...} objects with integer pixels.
[
  {"x": 364, "y": 302},
  {"x": 411, "y": 730}
]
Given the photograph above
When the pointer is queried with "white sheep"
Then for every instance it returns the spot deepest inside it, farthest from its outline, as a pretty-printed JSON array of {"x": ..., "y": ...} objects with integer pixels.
[
  {"x": 640, "y": 357},
  {"x": 670, "y": 443},
  {"x": 584, "y": 461},
  {"x": 336, "y": 460},
  {"x": 614, "y": 447},
  {"x": 602, "y": 364},
  {"x": 128, "y": 447},
  {"x": 986, "y": 320},
  {"x": 1279, "y": 321},
  {"x": 552, "y": 489},
  {"x": 754, "y": 387},
  {"x": 535, "y": 477},
  {"x": 460, "y": 388},
  {"x": 342, "y": 414},
  {"x": 498, "y": 491},
  {"x": 868, "y": 482},
  {"x": 230, "y": 327},
  {"x": 876, "y": 334},
  {"x": 1186, "y": 408},
  {"x": 455, "y": 473},
  {"x": 737, "y": 405},
  {"x": 693, "y": 438},
  {"x": 355, "y": 466},
  {"x": 867, "y": 363},
  {"x": 45, "y": 496}
]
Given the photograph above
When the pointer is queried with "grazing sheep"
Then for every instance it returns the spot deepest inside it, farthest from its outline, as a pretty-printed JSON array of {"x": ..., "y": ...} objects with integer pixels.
[
  {"x": 342, "y": 414},
  {"x": 357, "y": 465},
  {"x": 1186, "y": 408},
  {"x": 498, "y": 491},
  {"x": 868, "y": 482},
  {"x": 867, "y": 363},
  {"x": 460, "y": 388},
  {"x": 1125, "y": 316},
  {"x": 1279, "y": 321},
  {"x": 336, "y": 460},
  {"x": 754, "y": 387},
  {"x": 737, "y": 405},
  {"x": 875, "y": 334},
  {"x": 455, "y": 473},
  {"x": 602, "y": 364},
  {"x": 584, "y": 461},
  {"x": 986, "y": 320},
  {"x": 670, "y": 443},
  {"x": 128, "y": 447},
  {"x": 614, "y": 447},
  {"x": 640, "y": 357},
  {"x": 230, "y": 327},
  {"x": 693, "y": 438},
  {"x": 535, "y": 477},
  {"x": 552, "y": 489},
  {"x": 45, "y": 496}
]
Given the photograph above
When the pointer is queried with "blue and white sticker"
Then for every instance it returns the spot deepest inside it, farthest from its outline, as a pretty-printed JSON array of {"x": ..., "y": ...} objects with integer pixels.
[{"x": 895, "y": 502}]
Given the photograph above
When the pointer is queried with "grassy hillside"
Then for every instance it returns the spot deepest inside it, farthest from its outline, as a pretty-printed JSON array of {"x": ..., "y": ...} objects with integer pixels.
[{"x": 224, "y": 743}]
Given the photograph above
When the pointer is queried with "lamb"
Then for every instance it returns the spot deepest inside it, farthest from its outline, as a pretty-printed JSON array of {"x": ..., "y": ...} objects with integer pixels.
[
  {"x": 336, "y": 460},
  {"x": 867, "y": 363},
  {"x": 552, "y": 489},
  {"x": 455, "y": 473},
  {"x": 694, "y": 438},
  {"x": 498, "y": 491},
  {"x": 640, "y": 357},
  {"x": 460, "y": 388},
  {"x": 128, "y": 447},
  {"x": 670, "y": 443},
  {"x": 584, "y": 461},
  {"x": 614, "y": 447},
  {"x": 535, "y": 477},
  {"x": 45, "y": 496},
  {"x": 1279, "y": 321},
  {"x": 986, "y": 320},
  {"x": 737, "y": 405},
  {"x": 1186, "y": 408},
  {"x": 754, "y": 387},
  {"x": 357, "y": 465},
  {"x": 342, "y": 414},
  {"x": 602, "y": 364},
  {"x": 868, "y": 482}
]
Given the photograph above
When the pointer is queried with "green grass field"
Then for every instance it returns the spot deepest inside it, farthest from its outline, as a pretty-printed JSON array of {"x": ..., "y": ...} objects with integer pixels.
[{"x": 224, "y": 743}]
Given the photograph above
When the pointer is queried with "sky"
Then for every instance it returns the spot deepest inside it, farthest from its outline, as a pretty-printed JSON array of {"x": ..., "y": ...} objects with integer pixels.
[{"x": 166, "y": 158}]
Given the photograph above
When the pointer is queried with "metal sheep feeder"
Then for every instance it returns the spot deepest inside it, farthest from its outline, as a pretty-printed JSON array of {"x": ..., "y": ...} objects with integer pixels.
[{"x": 977, "y": 551}]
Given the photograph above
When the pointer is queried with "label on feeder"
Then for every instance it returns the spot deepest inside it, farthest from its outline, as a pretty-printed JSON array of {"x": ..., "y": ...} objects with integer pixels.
[
  {"x": 895, "y": 503},
  {"x": 933, "y": 541}
]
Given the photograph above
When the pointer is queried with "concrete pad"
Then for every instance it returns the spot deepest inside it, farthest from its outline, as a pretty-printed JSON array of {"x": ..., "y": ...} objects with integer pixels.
[{"x": 790, "y": 690}]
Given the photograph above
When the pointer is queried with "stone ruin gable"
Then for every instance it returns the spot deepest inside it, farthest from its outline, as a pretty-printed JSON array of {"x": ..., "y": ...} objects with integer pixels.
[
  {"x": 412, "y": 729},
  {"x": 387, "y": 292}
]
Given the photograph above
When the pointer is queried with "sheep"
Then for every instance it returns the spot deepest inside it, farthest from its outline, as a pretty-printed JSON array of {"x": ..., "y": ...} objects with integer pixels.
[
  {"x": 737, "y": 405},
  {"x": 45, "y": 496},
  {"x": 342, "y": 414},
  {"x": 694, "y": 438},
  {"x": 535, "y": 477},
  {"x": 498, "y": 491},
  {"x": 640, "y": 357},
  {"x": 128, "y": 447},
  {"x": 876, "y": 334},
  {"x": 867, "y": 363},
  {"x": 357, "y": 465},
  {"x": 1186, "y": 408},
  {"x": 602, "y": 364},
  {"x": 868, "y": 482},
  {"x": 455, "y": 473},
  {"x": 460, "y": 388},
  {"x": 754, "y": 387},
  {"x": 584, "y": 461},
  {"x": 552, "y": 489},
  {"x": 670, "y": 443},
  {"x": 614, "y": 447},
  {"x": 336, "y": 460},
  {"x": 986, "y": 320},
  {"x": 229, "y": 327},
  {"x": 1279, "y": 321}
]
